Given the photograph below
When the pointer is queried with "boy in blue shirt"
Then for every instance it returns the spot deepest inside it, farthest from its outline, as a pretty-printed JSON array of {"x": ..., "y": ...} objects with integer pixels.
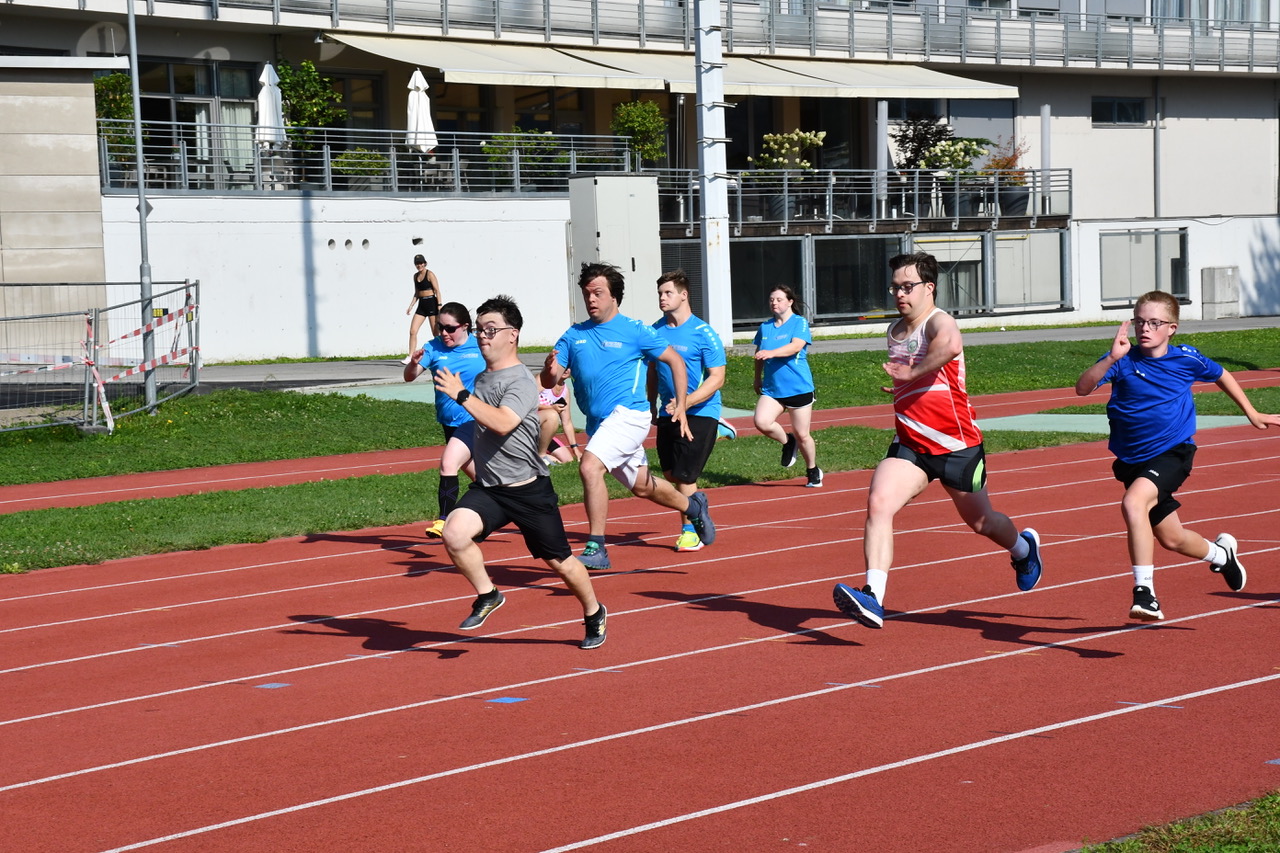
[
  {"x": 607, "y": 355},
  {"x": 1153, "y": 424},
  {"x": 699, "y": 346}
]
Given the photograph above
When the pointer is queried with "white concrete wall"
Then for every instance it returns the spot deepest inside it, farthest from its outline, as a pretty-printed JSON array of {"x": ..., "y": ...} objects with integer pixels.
[
  {"x": 1250, "y": 243},
  {"x": 325, "y": 277}
]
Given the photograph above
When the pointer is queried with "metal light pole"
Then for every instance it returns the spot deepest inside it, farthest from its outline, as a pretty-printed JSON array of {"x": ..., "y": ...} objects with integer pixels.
[
  {"x": 713, "y": 179},
  {"x": 144, "y": 269}
]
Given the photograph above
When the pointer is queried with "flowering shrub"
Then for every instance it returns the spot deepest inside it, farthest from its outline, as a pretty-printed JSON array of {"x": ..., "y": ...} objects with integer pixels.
[
  {"x": 788, "y": 150},
  {"x": 1005, "y": 161},
  {"x": 954, "y": 157}
]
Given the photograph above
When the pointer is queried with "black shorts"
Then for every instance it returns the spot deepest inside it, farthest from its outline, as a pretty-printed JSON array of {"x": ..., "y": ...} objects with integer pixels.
[
  {"x": 428, "y": 306},
  {"x": 683, "y": 460},
  {"x": 797, "y": 401},
  {"x": 533, "y": 508},
  {"x": 1168, "y": 472},
  {"x": 964, "y": 470}
]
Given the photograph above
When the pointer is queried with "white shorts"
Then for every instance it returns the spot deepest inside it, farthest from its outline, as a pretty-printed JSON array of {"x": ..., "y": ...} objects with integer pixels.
[{"x": 619, "y": 444}]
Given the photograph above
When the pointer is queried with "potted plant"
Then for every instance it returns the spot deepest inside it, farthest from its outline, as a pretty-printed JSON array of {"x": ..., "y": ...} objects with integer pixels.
[
  {"x": 913, "y": 138},
  {"x": 951, "y": 162},
  {"x": 113, "y": 100},
  {"x": 543, "y": 162},
  {"x": 784, "y": 158},
  {"x": 1005, "y": 167},
  {"x": 365, "y": 169},
  {"x": 643, "y": 123}
]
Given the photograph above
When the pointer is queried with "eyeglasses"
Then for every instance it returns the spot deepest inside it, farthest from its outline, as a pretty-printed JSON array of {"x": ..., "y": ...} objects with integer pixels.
[
  {"x": 905, "y": 288},
  {"x": 1154, "y": 325},
  {"x": 449, "y": 330},
  {"x": 491, "y": 332}
]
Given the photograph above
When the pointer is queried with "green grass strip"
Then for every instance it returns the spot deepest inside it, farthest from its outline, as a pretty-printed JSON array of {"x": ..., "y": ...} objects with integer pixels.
[
  {"x": 46, "y": 538},
  {"x": 1253, "y": 828}
]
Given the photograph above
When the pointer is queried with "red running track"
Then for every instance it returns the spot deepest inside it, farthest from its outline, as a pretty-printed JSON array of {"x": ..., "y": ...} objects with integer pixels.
[
  {"x": 313, "y": 693},
  {"x": 96, "y": 490}
]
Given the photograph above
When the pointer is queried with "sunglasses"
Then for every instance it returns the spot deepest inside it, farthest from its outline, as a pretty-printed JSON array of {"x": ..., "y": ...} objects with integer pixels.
[{"x": 449, "y": 330}]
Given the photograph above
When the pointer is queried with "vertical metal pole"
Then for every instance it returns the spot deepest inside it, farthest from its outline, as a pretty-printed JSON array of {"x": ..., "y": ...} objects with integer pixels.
[
  {"x": 1046, "y": 195},
  {"x": 713, "y": 179},
  {"x": 882, "y": 159},
  {"x": 144, "y": 269}
]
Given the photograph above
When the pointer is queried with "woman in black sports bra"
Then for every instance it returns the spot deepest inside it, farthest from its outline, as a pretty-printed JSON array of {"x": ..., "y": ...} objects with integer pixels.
[{"x": 426, "y": 296}]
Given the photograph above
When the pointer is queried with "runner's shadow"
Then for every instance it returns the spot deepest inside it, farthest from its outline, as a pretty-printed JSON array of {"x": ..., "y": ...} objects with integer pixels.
[
  {"x": 385, "y": 541},
  {"x": 775, "y": 617},
  {"x": 382, "y": 635},
  {"x": 992, "y": 627}
]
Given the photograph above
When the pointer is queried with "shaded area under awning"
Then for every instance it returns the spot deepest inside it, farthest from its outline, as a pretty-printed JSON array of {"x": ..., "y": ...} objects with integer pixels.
[{"x": 495, "y": 63}]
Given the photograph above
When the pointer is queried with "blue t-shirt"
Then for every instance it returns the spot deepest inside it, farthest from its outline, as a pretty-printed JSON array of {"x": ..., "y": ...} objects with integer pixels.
[
  {"x": 1151, "y": 409},
  {"x": 700, "y": 347},
  {"x": 608, "y": 361},
  {"x": 785, "y": 377},
  {"x": 466, "y": 361}
]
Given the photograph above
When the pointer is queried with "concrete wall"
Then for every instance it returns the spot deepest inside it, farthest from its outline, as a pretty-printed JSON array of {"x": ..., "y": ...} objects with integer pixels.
[
  {"x": 295, "y": 277},
  {"x": 50, "y": 213}
]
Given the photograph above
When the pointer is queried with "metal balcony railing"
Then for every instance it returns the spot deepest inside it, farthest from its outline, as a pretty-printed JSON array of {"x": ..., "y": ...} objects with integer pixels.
[
  {"x": 862, "y": 29},
  {"x": 185, "y": 157},
  {"x": 768, "y": 200}
]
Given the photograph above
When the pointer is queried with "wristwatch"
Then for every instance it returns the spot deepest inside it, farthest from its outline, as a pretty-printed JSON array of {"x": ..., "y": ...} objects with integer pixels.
[{"x": 462, "y": 397}]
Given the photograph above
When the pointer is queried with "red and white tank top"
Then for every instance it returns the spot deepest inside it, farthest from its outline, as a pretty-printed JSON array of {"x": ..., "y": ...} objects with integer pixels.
[{"x": 932, "y": 413}]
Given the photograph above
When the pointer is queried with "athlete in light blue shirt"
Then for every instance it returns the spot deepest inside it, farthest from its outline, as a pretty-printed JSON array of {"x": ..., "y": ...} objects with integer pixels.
[
  {"x": 785, "y": 383},
  {"x": 457, "y": 351},
  {"x": 606, "y": 356},
  {"x": 698, "y": 345},
  {"x": 1153, "y": 424}
]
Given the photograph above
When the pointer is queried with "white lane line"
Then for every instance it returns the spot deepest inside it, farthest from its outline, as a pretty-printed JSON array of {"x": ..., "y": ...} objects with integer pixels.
[
  {"x": 511, "y": 759},
  {"x": 869, "y": 771},
  {"x": 1031, "y": 648}
]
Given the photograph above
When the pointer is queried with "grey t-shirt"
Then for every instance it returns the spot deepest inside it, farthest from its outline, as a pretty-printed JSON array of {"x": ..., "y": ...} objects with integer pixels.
[{"x": 511, "y": 458}]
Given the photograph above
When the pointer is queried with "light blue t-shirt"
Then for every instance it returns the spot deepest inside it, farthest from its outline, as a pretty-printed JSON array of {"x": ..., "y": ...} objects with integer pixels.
[
  {"x": 608, "y": 361},
  {"x": 785, "y": 377},
  {"x": 466, "y": 361},
  {"x": 1151, "y": 409},
  {"x": 700, "y": 347}
]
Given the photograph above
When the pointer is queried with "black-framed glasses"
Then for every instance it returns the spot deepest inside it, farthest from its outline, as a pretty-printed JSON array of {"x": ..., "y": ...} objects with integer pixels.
[
  {"x": 905, "y": 288},
  {"x": 449, "y": 330},
  {"x": 1153, "y": 325},
  {"x": 491, "y": 332}
]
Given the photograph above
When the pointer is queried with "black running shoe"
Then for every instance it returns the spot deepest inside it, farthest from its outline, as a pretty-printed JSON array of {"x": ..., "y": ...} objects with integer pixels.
[
  {"x": 481, "y": 608},
  {"x": 1232, "y": 572},
  {"x": 1145, "y": 607},
  {"x": 595, "y": 629},
  {"x": 815, "y": 478},
  {"x": 789, "y": 452}
]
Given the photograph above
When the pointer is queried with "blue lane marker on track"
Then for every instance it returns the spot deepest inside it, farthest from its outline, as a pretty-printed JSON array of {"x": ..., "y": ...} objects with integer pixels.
[
  {"x": 271, "y": 685},
  {"x": 1175, "y": 707},
  {"x": 507, "y": 700},
  {"x": 1274, "y": 761}
]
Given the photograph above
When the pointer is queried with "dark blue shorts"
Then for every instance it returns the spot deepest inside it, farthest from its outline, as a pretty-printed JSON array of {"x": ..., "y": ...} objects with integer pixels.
[{"x": 1168, "y": 472}]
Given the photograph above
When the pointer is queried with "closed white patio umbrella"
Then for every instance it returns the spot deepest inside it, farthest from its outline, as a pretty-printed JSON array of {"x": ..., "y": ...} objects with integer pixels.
[
  {"x": 270, "y": 128},
  {"x": 422, "y": 131}
]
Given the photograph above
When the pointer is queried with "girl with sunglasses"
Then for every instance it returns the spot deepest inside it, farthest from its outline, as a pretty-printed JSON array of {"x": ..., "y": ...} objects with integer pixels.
[{"x": 456, "y": 349}]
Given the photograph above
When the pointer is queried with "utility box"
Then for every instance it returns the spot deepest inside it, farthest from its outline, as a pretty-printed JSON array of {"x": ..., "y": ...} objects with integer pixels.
[
  {"x": 1219, "y": 292},
  {"x": 614, "y": 220}
]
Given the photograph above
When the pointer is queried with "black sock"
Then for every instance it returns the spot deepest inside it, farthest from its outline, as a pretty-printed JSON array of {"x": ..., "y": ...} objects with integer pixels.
[{"x": 447, "y": 494}]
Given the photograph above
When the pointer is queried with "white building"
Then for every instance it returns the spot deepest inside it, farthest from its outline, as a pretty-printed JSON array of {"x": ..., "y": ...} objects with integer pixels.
[{"x": 1150, "y": 127}]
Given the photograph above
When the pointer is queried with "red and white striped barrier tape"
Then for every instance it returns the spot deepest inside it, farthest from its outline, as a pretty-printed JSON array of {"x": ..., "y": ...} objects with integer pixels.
[{"x": 154, "y": 363}]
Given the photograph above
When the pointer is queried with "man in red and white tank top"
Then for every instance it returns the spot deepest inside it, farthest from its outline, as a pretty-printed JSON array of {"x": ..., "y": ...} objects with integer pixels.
[{"x": 937, "y": 439}]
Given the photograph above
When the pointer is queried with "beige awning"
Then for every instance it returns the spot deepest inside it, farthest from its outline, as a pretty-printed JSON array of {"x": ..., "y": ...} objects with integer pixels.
[{"x": 496, "y": 63}]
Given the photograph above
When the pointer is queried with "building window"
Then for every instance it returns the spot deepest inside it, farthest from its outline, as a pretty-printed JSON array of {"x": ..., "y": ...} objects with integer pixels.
[
  {"x": 901, "y": 109},
  {"x": 550, "y": 110},
  {"x": 1134, "y": 262},
  {"x": 361, "y": 96},
  {"x": 212, "y": 103},
  {"x": 1119, "y": 111}
]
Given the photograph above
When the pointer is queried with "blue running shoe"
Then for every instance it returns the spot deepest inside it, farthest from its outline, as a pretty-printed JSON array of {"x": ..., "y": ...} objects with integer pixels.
[
  {"x": 699, "y": 515},
  {"x": 1028, "y": 568},
  {"x": 859, "y": 605},
  {"x": 594, "y": 556}
]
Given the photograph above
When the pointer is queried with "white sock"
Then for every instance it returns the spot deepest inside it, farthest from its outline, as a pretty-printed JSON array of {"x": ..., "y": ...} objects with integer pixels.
[
  {"x": 1145, "y": 576},
  {"x": 1020, "y": 549},
  {"x": 1217, "y": 555},
  {"x": 877, "y": 579}
]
